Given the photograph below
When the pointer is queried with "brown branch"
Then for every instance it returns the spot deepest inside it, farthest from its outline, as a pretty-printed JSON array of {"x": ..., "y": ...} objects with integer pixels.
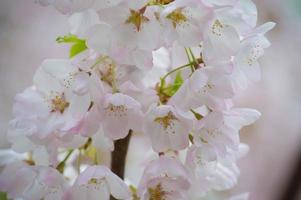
[{"x": 118, "y": 158}]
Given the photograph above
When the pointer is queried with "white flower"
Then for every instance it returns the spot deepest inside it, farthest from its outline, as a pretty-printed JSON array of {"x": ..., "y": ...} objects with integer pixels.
[
  {"x": 185, "y": 21},
  {"x": 211, "y": 171},
  {"x": 97, "y": 182},
  {"x": 167, "y": 128},
  {"x": 32, "y": 182},
  {"x": 120, "y": 114},
  {"x": 208, "y": 86},
  {"x": 246, "y": 65},
  {"x": 221, "y": 129},
  {"x": 164, "y": 178}
]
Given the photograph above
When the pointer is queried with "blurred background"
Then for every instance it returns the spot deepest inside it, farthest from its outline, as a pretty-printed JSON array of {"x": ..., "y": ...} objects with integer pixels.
[{"x": 270, "y": 171}]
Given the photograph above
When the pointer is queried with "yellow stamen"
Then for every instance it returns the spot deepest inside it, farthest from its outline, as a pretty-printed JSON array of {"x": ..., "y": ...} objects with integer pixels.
[
  {"x": 59, "y": 103},
  {"x": 177, "y": 17},
  {"x": 157, "y": 193},
  {"x": 167, "y": 120},
  {"x": 137, "y": 18}
]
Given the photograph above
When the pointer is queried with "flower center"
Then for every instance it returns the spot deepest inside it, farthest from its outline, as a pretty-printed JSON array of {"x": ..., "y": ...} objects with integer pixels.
[
  {"x": 160, "y": 2},
  {"x": 106, "y": 68},
  {"x": 96, "y": 183},
  {"x": 166, "y": 121},
  {"x": 117, "y": 111},
  {"x": 212, "y": 132},
  {"x": 217, "y": 28},
  {"x": 255, "y": 54},
  {"x": 206, "y": 88},
  {"x": 177, "y": 17},
  {"x": 59, "y": 104},
  {"x": 157, "y": 193},
  {"x": 137, "y": 18}
]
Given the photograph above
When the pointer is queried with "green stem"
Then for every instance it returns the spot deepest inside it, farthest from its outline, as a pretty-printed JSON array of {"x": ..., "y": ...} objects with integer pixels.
[
  {"x": 193, "y": 58},
  {"x": 190, "y": 58},
  {"x": 175, "y": 70},
  {"x": 169, "y": 73},
  {"x": 188, "y": 55},
  {"x": 61, "y": 166}
]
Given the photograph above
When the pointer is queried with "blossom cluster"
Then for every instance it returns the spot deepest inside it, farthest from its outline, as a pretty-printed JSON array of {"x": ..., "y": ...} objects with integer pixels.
[{"x": 165, "y": 69}]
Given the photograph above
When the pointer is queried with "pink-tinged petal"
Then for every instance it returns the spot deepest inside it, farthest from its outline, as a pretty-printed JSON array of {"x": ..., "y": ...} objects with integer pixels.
[
  {"x": 220, "y": 82},
  {"x": 149, "y": 35},
  {"x": 253, "y": 72},
  {"x": 198, "y": 80},
  {"x": 162, "y": 142},
  {"x": 99, "y": 37},
  {"x": 30, "y": 104},
  {"x": 88, "y": 174},
  {"x": 189, "y": 35},
  {"x": 181, "y": 140},
  {"x": 81, "y": 22},
  {"x": 99, "y": 182},
  {"x": 11, "y": 173},
  {"x": 68, "y": 7},
  {"x": 243, "y": 150},
  {"x": 221, "y": 2},
  {"x": 239, "y": 117},
  {"x": 116, "y": 127},
  {"x": 23, "y": 179},
  {"x": 167, "y": 175},
  {"x": 101, "y": 192},
  {"x": 100, "y": 141},
  {"x": 142, "y": 59},
  {"x": 40, "y": 156},
  {"x": 222, "y": 43},
  {"x": 101, "y": 4},
  {"x": 79, "y": 106},
  {"x": 18, "y": 132},
  {"x": 117, "y": 187},
  {"x": 182, "y": 99},
  {"x": 167, "y": 129},
  {"x": 261, "y": 30},
  {"x": 120, "y": 114},
  {"x": 90, "y": 123},
  {"x": 81, "y": 84},
  {"x": 60, "y": 69}
]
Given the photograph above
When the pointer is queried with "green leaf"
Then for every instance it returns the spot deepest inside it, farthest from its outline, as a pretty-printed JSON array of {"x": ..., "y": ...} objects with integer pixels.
[
  {"x": 78, "y": 45},
  {"x": 3, "y": 196},
  {"x": 178, "y": 81},
  {"x": 68, "y": 39},
  {"x": 173, "y": 88},
  {"x": 77, "y": 48}
]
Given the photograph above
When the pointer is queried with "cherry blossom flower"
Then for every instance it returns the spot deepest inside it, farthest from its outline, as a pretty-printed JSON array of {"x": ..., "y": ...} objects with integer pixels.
[
  {"x": 120, "y": 113},
  {"x": 164, "y": 178},
  {"x": 186, "y": 21},
  {"x": 97, "y": 182},
  {"x": 167, "y": 128},
  {"x": 211, "y": 171},
  {"x": 32, "y": 182},
  {"x": 209, "y": 86},
  {"x": 221, "y": 129}
]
